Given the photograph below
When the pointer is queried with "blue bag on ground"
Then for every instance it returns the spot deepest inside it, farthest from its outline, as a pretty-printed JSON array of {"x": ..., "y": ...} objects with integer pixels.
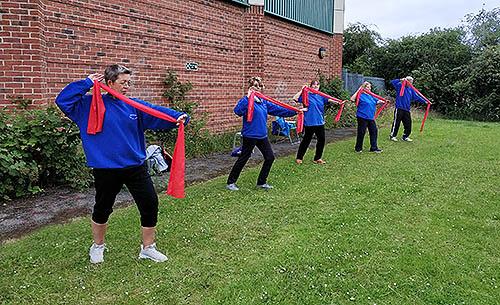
[{"x": 236, "y": 152}]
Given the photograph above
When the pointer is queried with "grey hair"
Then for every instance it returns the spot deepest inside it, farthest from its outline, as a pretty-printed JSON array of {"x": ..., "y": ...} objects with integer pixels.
[{"x": 112, "y": 72}]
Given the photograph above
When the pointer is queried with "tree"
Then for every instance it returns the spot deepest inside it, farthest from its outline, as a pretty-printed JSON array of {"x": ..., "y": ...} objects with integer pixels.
[
  {"x": 359, "y": 41},
  {"x": 483, "y": 29},
  {"x": 479, "y": 83},
  {"x": 442, "y": 48}
]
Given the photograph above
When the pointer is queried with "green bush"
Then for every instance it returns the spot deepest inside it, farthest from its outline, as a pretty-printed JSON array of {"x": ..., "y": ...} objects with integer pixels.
[
  {"x": 333, "y": 86},
  {"x": 39, "y": 148},
  {"x": 479, "y": 86},
  {"x": 199, "y": 141}
]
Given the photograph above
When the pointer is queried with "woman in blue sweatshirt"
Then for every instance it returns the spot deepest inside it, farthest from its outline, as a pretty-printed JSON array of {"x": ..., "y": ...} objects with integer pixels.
[
  {"x": 117, "y": 154},
  {"x": 254, "y": 133},
  {"x": 314, "y": 123},
  {"x": 402, "y": 108},
  {"x": 365, "y": 116}
]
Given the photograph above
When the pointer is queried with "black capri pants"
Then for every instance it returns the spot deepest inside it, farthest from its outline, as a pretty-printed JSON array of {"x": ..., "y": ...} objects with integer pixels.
[{"x": 108, "y": 183}]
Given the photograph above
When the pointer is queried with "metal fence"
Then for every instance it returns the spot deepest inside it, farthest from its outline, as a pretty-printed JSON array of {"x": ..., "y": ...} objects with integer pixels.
[
  {"x": 352, "y": 81},
  {"x": 317, "y": 14}
]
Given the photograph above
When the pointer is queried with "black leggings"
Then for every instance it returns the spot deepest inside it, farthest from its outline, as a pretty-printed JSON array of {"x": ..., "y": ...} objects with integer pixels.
[
  {"x": 108, "y": 183},
  {"x": 372, "y": 130},
  {"x": 246, "y": 151},
  {"x": 308, "y": 134},
  {"x": 404, "y": 116}
]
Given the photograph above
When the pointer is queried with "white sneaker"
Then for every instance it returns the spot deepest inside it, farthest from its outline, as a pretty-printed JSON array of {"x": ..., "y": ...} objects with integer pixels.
[
  {"x": 407, "y": 139},
  {"x": 232, "y": 187},
  {"x": 96, "y": 253},
  {"x": 394, "y": 139},
  {"x": 265, "y": 186},
  {"x": 151, "y": 253}
]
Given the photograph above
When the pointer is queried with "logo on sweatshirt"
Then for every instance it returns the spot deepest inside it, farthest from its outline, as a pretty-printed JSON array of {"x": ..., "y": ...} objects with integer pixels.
[{"x": 133, "y": 116}]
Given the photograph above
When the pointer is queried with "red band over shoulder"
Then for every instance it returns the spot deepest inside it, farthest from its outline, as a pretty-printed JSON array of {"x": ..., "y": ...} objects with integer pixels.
[
  {"x": 96, "y": 118},
  {"x": 305, "y": 99},
  {"x": 363, "y": 90},
  {"x": 428, "y": 105},
  {"x": 253, "y": 94},
  {"x": 402, "y": 90}
]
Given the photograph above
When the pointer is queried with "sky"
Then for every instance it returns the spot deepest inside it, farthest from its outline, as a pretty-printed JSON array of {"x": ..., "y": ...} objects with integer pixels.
[{"x": 397, "y": 18}]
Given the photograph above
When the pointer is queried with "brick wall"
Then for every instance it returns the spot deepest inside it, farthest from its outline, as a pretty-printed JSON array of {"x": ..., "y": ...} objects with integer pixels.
[{"x": 46, "y": 44}]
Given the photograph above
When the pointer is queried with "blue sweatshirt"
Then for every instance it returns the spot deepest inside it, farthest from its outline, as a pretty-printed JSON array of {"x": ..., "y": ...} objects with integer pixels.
[
  {"x": 409, "y": 95},
  {"x": 257, "y": 128},
  {"x": 314, "y": 116},
  {"x": 367, "y": 107},
  {"x": 121, "y": 142}
]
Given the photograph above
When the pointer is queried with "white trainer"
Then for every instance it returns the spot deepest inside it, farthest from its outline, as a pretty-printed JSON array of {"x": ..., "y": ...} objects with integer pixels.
[
  {"x": 150, "y": 252},
  {"x": 96, "y": 253},
  {"x": 265, "y": 186},
  {"x": 407, "y": 139},
  {"x": 394, "y": 139},
  {"x": 232, "y": 187}
]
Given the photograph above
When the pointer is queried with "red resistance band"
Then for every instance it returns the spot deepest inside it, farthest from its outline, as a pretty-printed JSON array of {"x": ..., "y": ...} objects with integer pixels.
[
  {"x": 253, "y": 94},
  {"x": 305, "y": 99},
  {"x": 402, "y": 92},
  {"x": 379, "y": 110},
  {"x": 96, "y": 117}
]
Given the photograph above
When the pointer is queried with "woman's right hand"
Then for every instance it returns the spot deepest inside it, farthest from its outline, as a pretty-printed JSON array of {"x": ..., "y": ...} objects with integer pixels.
[{"x": 96, "y": 77}]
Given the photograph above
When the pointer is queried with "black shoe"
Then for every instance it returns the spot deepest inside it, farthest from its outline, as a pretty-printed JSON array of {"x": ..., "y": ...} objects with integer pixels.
[{"x": 377, "y": 151}]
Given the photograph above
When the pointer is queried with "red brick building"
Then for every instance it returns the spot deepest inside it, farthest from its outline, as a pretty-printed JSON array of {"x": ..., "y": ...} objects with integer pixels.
[{"x": 46, "y": 44}]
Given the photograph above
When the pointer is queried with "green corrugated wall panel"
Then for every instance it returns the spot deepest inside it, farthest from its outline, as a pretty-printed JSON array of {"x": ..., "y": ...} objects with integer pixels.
[
  {"x": 241, "y": 1},
  {"x": 317, "y": 14}
]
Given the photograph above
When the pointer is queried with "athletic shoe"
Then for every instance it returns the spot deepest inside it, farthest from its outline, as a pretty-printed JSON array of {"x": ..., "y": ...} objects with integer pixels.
[
  {"x": 377, "y": 151},
  {"x": 358, "y": 151},
  {"x": 232, "y": 187},
  {"x": 394, "y": 139},
  {"x": 265, "y": 186},
  {"x": 96, "y": 253},
  {"x": 151, "y": 253},
  {"x": 407, "y": 139}
]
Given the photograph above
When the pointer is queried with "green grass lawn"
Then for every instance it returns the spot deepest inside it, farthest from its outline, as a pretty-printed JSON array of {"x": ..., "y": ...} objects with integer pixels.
[{"x": 417, "y": 224}]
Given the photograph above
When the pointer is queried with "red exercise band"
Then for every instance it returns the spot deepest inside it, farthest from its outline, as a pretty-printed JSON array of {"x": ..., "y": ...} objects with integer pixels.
[
  {"x": 96, "y": 118},
  {"x": 363, "y": 90},
  {"x": 253, "y": 94},
  {"x": 401, "y": 93},
  {"x": 305, "y": 99}
]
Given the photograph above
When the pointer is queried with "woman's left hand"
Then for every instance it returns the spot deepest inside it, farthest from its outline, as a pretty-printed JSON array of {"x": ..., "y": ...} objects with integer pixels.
[{"x": 181, "y": 119}]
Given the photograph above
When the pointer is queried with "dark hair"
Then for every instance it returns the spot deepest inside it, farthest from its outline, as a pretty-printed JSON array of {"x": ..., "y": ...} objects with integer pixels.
[
  {"x": 255, "y": 82},
  {"x": 313, "y": 81},
  {"x": 111, "y": 73}
]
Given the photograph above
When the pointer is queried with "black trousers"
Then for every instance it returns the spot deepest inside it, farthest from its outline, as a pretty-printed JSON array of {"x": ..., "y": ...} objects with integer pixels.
[
  {"x": 372, "y": 130},
  {"x": 309, "y": 131},
  {"x": 246, "y": 151},
  {"x": 405, "y": 117},
  {"x": 108, "y": 183}
]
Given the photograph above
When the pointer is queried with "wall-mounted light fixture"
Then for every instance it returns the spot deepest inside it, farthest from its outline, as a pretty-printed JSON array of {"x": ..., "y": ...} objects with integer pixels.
[{"x": 322, "y": 53}]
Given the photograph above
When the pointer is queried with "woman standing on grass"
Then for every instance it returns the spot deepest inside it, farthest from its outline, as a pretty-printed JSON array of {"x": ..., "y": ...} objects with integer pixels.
[
  {"x": 314, "y": 123},
  {"x": 254, "y": 133},
  {"x": 365, "y": 116}
]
